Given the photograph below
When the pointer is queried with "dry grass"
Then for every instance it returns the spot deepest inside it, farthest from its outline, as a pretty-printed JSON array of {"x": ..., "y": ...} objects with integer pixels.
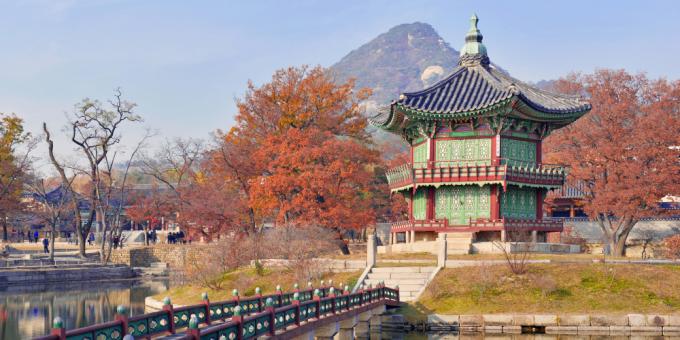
[
  {"x": 553, "y": 288},
  {"x": 246, "y": 280}
]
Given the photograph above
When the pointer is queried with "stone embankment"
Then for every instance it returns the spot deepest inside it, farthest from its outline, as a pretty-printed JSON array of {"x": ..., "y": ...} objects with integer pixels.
[
  {"x": 567, "y": 324},
  {"x": 68, "y": 273}
]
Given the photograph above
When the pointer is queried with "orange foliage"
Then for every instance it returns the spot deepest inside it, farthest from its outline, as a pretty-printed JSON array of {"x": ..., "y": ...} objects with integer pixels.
[{"x": 623, "y": 149}]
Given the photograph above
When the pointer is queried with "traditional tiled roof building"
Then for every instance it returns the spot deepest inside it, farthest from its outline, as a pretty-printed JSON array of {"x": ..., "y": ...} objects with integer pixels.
[{"x": 475, "y": 140}]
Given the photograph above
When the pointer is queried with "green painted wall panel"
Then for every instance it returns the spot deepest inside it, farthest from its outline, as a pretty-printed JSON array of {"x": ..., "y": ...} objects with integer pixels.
[
  {"x": 458, "y": 151},
  {"x": 519, "y": 202},
  {"x": 420, "y": 156},
  {"x": 516, "y": 152},
  {"x": 420, "y": 204},
  {"x": 460, "y": 203}
]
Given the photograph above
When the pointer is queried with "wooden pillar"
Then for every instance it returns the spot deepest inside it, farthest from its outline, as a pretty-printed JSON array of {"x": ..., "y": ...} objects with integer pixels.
[
  {"x": 412, "y": 193},
  {"x": 539, "y": 153},
  {"x": 495, "y": 202},
  {"x": 413, "y": 235},
  {"x": 539, "y": 204},
  {"x": 429, "y": 215},
  {"x": 495, "y": 150},
  {"x": 572, "y": 213}
]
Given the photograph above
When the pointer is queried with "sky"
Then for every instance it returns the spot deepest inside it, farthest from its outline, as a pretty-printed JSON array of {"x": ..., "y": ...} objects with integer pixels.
[{"x": 185, "y": 62}]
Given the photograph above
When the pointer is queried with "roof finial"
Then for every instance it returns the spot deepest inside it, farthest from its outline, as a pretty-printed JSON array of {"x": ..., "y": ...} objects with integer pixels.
[{"x": 473, "y": 52}]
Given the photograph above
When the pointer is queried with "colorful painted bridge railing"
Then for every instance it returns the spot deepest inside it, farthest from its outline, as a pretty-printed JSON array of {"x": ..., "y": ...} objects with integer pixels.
[
  {"x": 506, "y": 172},
  {"x": 171, "y": 319},
  {"x": 296, "y": 319}
]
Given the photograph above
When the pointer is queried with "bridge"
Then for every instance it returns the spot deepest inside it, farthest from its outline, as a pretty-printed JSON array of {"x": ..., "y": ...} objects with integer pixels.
[{"x": 322, "y": 313}]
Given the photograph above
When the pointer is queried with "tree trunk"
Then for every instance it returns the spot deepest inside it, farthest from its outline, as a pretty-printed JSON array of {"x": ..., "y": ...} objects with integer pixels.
[
  {"x": 53, "y": 238},
  {"x": 4, "y": 229},
  {"x": 81, "y": 245}
]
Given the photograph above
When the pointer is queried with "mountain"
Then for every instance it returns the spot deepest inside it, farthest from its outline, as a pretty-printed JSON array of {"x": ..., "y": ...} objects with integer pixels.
[{"x": 406, "y": 58}]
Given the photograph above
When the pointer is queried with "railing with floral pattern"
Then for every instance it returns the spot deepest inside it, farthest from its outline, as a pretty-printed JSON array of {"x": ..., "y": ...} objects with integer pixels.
[
  {"x": 516, "y": 224},
  {"x": 475, "y": 170},
  {"x": 278, "y": 321},
  {"x": 168, "y": 320}
]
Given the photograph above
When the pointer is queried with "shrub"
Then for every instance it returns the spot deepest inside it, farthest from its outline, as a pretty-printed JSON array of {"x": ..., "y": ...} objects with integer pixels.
[{"x": 672, "y": 246}]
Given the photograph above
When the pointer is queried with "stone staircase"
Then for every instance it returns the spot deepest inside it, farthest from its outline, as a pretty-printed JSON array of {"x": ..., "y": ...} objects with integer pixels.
[
  {"x": 458, "y": 243},
  {"x": 410, "y": 280}
]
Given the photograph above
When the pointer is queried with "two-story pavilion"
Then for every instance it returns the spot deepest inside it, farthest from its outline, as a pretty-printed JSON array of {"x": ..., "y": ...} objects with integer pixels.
[{"x": 475, "y": 140}]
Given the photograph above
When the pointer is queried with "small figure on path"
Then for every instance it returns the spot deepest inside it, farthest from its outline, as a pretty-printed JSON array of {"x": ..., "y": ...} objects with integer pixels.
[
  {"x": 90, "y": 239},
  {"x": 46, "y": 245},
  {"x": 36, "y": 236}
]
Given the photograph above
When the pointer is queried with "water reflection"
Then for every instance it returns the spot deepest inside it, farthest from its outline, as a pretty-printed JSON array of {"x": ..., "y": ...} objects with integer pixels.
[{"x": 27, "y": 311}]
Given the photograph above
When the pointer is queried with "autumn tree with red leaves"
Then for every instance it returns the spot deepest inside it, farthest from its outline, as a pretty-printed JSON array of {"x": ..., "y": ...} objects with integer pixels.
[{"x": 625, "y": 150}]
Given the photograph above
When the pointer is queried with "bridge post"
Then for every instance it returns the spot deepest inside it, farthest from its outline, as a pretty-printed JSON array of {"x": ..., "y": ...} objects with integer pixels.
[
  {"x": 317, "y": 299},
  {"x": 258, "y": 295},
  {"x": 193, "y": 330},
  {"x": 122, "y": 316},
  {"x": 167, "y": 307},
  {"x": 332, "y": 296},
  {"x": 270, "y": 309},
  {"x": 238, "y": 319},
  {"x": 371, "y": 250},
  {"x": 363, "y": 327},
  {"x": 376, "y": 318},
  {"x": 58, "y": 328},
  {"x": 346, "y": 329},
  {"x": 206, "y": 304},
  {"x": 296, "y": 303},
  {"x": 441, "y": 254},
  {"x": 279, "y": 299}
]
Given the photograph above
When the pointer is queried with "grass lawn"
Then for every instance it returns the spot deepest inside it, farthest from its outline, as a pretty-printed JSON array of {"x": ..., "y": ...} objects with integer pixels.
[
  {"x": 552, "y": 288},
  {"x": 246, "y": 280}
]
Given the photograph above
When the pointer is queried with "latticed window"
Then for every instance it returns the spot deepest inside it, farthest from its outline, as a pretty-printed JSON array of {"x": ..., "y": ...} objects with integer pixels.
[
  {"x": 519, "y": 203},
  {"x": 460, "y": 203},
  {"x": 420, "y": 204}
]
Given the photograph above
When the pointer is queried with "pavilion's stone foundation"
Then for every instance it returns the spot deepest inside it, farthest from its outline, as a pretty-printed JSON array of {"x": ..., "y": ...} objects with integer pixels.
[{"x": 595, "y": 324}]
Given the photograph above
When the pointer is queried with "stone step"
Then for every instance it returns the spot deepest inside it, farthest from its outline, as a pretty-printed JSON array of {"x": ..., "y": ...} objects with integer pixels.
[
  {"x": 160, "y": 265},
  {"x": 457, "y": 251},
  {"x": 393, "y": 282},
  {"x": 403, "y": 270},
  {"x": 410, "y": 275},
  {"x": 397, "y": 276},
  {"x": 410, "y": 288}
]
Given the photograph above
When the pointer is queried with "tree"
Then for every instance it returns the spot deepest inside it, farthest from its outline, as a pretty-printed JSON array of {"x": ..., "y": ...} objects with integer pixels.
[
  {"x": 52, "y": 207},
  {"x": 299, "y": 153},
  {"x": 14, "y": 166},
  {"x": 625, "y": 150},
  {"x": 315, "y": 179},
  {"x": 95, "y": 131},
  {"x": 150, "y": 207}
]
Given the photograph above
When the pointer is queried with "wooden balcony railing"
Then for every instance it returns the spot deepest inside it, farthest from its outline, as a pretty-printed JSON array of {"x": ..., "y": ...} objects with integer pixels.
[
  {"x": 516, "y": 224},
  {"x": 407, "y": 175},
  {"x": 420, "y": 225}
]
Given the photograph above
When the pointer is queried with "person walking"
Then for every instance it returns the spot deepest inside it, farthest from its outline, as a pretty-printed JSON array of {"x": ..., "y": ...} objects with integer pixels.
[{"x": 46, "y": 245}]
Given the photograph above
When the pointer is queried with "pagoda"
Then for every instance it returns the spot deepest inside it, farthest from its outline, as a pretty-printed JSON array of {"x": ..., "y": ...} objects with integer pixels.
[{"x": 475, "y": 143}]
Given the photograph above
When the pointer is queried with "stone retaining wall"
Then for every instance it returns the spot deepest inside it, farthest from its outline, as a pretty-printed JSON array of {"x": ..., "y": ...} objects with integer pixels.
[
  {"x": 589, "y": 324},
  {"x": 332, "y": 265},
  {"x": 174, "y": 255},
  {"x": 76, "y": 273}
]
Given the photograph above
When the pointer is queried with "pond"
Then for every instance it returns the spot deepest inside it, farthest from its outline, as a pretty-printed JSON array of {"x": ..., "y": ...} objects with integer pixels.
[{"x": 27, "y": 311}]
